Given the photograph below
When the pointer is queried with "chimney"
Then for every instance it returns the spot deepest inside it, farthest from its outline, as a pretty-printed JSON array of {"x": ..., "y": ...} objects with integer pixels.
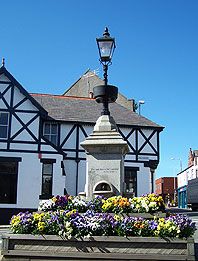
[{"x": 190, "y": 158}]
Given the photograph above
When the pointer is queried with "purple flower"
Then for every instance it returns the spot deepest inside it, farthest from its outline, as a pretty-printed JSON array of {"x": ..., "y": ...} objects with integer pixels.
[{"x": 152, "y": 224}]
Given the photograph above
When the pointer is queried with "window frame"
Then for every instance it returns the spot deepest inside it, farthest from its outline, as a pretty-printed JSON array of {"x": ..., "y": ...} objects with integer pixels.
[
  {"x": 43, "y": 194},
  {"x": 50, "y": 134},
  {"x": 4, "y": 125},
  {"x": 134, "y": 175}
]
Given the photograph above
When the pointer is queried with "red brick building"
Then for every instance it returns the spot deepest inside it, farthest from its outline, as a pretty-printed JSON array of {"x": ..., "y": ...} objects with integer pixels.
[{"x": 167, "y": 188}]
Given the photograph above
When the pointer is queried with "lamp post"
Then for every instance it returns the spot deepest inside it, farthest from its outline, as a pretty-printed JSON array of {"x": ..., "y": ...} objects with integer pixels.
[
  {"x": 180, "y": 162},
  {"x": 105, "y": 94}
]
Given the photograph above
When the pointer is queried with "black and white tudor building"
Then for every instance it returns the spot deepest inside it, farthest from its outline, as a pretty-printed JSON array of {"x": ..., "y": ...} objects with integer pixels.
[{"x": 40, "y": 135}]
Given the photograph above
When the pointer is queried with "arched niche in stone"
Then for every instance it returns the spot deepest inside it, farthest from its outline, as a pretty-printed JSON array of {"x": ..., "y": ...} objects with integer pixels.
[{"x": 104, "y": 188}]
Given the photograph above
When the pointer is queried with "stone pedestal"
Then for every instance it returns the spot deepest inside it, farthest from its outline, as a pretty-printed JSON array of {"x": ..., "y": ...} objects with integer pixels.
[{"x": 105, "y": 150}]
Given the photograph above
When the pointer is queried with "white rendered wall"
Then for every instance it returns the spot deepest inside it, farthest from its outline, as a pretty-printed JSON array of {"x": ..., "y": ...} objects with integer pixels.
[
  {"x": 82, "y": 176},
  {"x": 143, "y": 178},
  {"x": 192, "y": 172},
  {"x": 58, "y": 183},
  {"x": 70, "y": 183},
  {"x": 30, "y": 179},
  {"x": 182, "y": 179},
  {"x": 71, "y": 172},
  {"x": 143, "y": 181}
]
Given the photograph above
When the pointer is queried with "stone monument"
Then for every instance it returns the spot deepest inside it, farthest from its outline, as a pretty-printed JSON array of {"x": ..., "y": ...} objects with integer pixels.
[{"x": 105, "y": 148}]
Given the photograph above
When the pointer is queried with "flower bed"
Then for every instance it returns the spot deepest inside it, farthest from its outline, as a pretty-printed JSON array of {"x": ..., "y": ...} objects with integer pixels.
[
  {"x": 72, "y": 228},
  {"x": 74, "y": 217},
  {"x": 150, "y": 203},
  {"x": 73, "y": 224}
]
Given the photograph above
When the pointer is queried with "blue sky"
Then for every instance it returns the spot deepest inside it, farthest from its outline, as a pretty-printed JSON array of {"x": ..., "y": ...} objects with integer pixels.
[{"x": 49, "y": 44}]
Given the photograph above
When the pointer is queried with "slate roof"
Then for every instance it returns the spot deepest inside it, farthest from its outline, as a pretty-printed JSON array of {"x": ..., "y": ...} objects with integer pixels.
[{"x": 76, "y": 109}]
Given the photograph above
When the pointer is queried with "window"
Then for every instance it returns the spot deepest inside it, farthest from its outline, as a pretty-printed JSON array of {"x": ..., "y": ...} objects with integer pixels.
[
  {"x": 47, "y": 177},
  {"x": 130, "y": 179},
  {"x": 8, "y": 180},
  {"x": 3, "y": 125},
  {"x": 51, "y": 132}
]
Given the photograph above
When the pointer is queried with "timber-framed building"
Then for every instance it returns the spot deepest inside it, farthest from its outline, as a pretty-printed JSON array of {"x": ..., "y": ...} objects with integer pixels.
[{"x": 40, "y": 136}]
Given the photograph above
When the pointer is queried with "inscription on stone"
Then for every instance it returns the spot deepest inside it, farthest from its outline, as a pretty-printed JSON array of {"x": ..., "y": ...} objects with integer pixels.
[{"x": 104, "y": 170}]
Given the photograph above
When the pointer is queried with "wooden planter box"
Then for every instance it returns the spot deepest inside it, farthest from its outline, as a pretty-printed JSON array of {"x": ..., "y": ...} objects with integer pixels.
[{"x": 29, "y": 247}]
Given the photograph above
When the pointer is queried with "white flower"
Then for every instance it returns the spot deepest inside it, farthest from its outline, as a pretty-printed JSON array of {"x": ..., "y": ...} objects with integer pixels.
[
  {"x": 67, "y": 224},
  {"x": 153, "y": 205},
  {"x": 46, "y": 205},
  {"x": 144, "y": 205},
  {"x": 77, "y": 201}
]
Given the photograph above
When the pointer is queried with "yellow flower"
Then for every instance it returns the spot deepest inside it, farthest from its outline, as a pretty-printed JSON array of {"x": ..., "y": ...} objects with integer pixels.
[
  {"x": 118, "y": 217},
  {"x": 70, "y": 198},
  {"x": 70, "y": 213},
  {"x": 54, "y": 199},
  {"x": 137, "y": 206},
  {"x": 15, "y": 221},
  {"x": 38, "y": 216},
  {"x": 41, "y": 226}
]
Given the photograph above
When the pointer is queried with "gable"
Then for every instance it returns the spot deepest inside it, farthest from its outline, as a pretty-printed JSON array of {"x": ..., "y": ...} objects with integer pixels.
[
  {"x": 13, "y": 94},
  {"x": 23, "y": 114},
  {"x": 83, "y": 87}
]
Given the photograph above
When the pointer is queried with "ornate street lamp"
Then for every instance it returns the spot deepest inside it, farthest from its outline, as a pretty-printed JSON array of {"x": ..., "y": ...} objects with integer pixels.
[
  {"x": 106, "y": 47},
  {"x": 105, "y": 93}
]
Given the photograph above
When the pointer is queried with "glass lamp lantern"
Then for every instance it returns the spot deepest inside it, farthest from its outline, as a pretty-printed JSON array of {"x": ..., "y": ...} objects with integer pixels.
[{"x": 106, "y": 46}]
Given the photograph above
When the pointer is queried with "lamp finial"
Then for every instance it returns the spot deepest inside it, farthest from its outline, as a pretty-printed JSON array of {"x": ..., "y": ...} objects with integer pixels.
[{"x": 106, "y": 32}]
